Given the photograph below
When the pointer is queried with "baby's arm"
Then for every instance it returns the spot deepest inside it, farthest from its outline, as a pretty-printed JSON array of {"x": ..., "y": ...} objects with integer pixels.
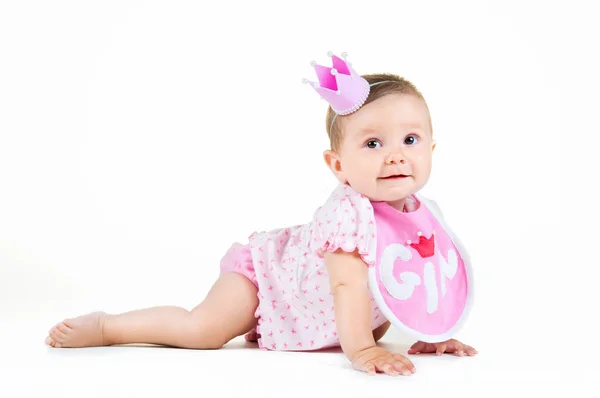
[{"x": 349, "y": 285}]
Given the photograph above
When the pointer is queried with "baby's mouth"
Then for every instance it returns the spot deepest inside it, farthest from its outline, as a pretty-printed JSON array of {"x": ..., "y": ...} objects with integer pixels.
[{"x": 395, "y": 177}]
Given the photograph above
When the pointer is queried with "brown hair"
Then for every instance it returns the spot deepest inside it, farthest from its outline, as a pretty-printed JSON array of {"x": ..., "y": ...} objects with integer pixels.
[{"x": 394, "y": 85}]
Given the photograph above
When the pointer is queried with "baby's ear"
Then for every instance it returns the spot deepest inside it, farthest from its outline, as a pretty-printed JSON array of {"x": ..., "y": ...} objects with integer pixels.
[
  {"x": 433, "y": 144},
  {"x": 332, "y": 160}
]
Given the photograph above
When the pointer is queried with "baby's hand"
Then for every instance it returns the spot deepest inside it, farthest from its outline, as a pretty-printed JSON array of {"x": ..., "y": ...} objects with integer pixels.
[
  {"x": 451, "y": 346},
  {"x": 376, "y": 359}
]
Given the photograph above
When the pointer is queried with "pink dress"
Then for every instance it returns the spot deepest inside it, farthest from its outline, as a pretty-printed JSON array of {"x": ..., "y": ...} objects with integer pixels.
[{"x": 296, "y": 310}]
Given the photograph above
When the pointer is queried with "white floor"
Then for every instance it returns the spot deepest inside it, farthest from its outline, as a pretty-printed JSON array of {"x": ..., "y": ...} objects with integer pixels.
[{"x": 30, "y": 369}]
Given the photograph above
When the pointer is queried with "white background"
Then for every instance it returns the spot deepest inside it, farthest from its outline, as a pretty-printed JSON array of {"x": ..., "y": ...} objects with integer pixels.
[{"x": 138, "y": 140}]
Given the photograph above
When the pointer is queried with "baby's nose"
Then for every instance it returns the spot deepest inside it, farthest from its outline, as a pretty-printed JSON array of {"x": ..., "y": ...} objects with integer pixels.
[{"x": 395, "y": 158}]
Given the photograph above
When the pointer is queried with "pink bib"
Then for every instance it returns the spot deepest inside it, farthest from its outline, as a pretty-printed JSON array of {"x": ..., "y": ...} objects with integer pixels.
[{"x": 419, "y": 280}]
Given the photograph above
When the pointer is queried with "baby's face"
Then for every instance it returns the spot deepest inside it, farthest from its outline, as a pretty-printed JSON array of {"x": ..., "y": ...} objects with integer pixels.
[{"x": 386, "y": 148}]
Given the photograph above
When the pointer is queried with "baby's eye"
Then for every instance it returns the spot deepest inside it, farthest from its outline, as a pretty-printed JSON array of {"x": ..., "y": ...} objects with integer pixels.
[
  {"x": 411, "y": 140},
  {"x": 373, "y": 144}
]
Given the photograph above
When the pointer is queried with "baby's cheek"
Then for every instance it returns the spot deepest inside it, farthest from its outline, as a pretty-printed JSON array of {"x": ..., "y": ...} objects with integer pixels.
[{"x": 355, "y": 173}]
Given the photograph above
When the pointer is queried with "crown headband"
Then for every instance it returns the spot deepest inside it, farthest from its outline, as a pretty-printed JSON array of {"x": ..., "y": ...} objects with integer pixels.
[{"x": 344, "y": 89}]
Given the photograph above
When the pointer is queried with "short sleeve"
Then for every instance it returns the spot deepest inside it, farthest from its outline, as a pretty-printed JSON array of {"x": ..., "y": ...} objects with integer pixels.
[{"x": 346, "y": 221}]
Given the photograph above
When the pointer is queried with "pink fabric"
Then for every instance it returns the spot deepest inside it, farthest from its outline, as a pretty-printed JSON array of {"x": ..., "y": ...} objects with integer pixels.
[
  {"x": 295, "y": 310},
  {"x": 238, "y": 259},
  {"x": 437, "y": 303}
]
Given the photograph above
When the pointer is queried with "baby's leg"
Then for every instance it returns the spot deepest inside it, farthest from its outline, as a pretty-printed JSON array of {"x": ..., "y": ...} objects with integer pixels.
[{"x": 226, "y": 312}]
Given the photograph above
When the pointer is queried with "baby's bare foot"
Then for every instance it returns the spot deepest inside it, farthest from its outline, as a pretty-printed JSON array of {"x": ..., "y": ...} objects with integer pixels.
[
  {"x": 83, "y": 331},
  {"x": 252, "y": 336}
]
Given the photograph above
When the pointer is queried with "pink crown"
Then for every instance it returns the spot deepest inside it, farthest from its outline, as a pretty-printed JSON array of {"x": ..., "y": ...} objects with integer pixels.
[
  {"x": 340, "y": 85},
  {"x": 425, "y": 247}
]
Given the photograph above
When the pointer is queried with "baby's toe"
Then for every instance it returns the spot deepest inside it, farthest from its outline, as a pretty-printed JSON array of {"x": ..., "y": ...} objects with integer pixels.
[
  {"x": 57, "y": 335},
  {"x": 251, "y": 337},
  {"x": 53, "y": 343},
  {"x": 63, "y": 328}
]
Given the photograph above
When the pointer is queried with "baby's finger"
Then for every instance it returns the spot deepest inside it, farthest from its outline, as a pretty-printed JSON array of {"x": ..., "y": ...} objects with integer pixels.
[
  {"x": 416, "y": 348},
  {"x": 471, "y": 351},
  {"x": 407, "y": 363},
  {"x": 401, "y": 367},
  {"x": 441, "y": 348},
  {"x": 370, "y": 369},
  {"x": 417, "y": 344},
  {"x": 455, "y": 347},
  {"x": 389, "y": 369}
]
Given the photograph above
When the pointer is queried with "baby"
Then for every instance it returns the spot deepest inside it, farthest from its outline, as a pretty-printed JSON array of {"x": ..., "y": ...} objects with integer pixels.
[{"x": 308, "y": 287}]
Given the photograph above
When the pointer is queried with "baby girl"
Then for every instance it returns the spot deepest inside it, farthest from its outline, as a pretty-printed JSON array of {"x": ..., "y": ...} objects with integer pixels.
[{"x": 331, "y": 282}]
